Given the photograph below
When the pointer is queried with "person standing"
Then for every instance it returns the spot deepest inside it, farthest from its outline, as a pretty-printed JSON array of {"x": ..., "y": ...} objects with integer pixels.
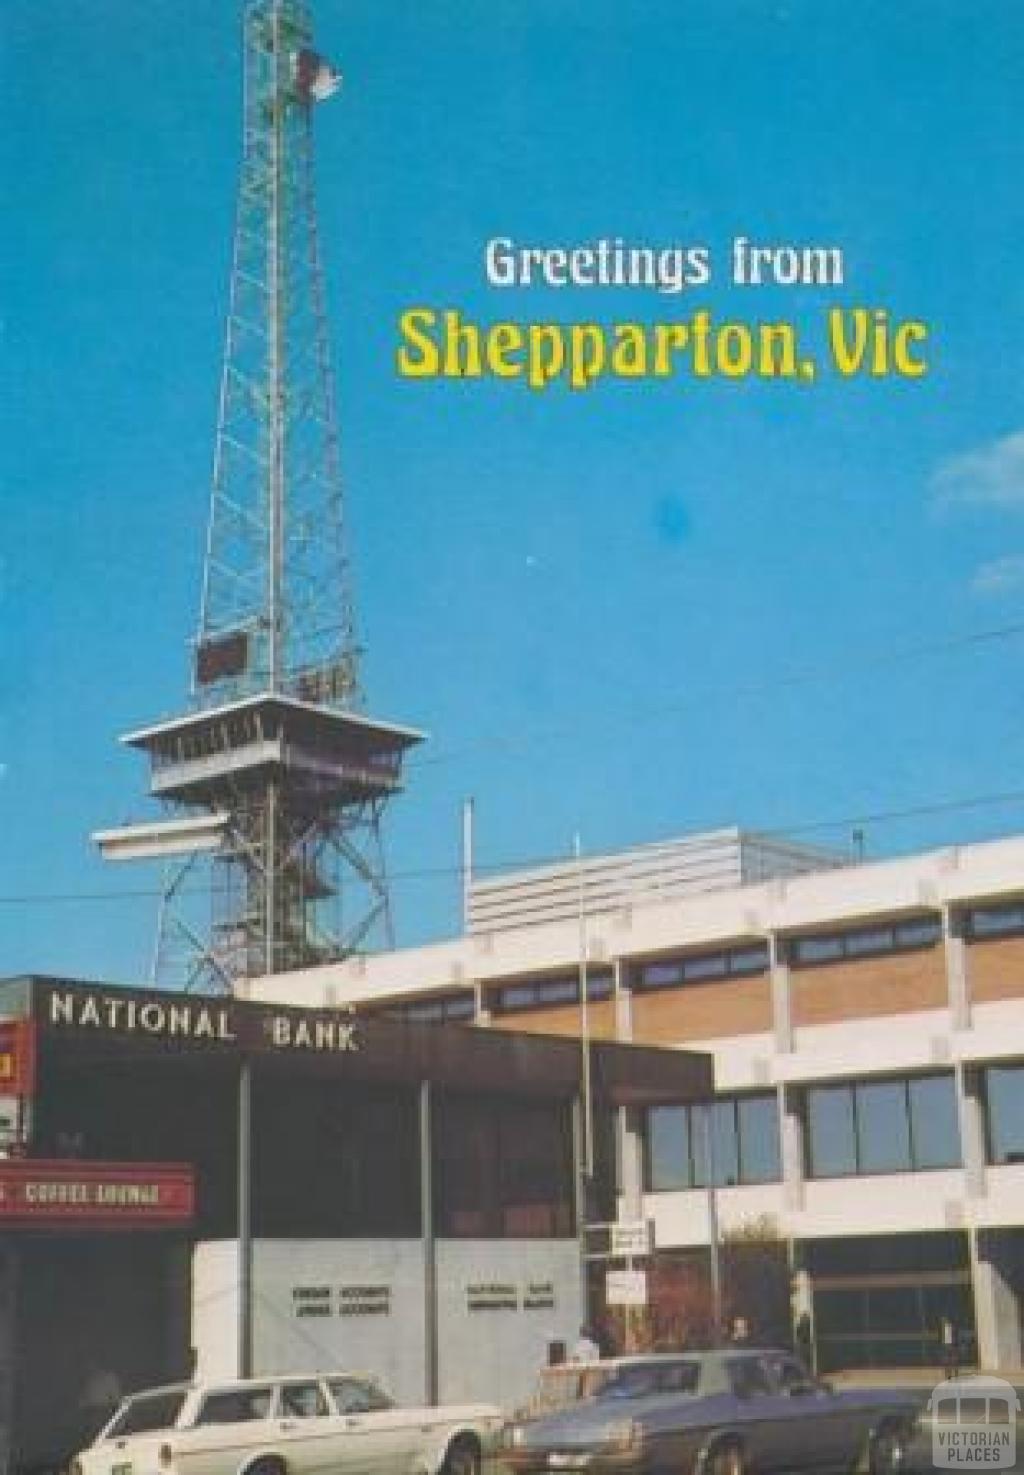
[{"x": 585, "y": 1348}]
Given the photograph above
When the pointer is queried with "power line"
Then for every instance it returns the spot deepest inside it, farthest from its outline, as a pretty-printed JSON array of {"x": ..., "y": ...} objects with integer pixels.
[
  {"x": 495, "y": 868},
  {"x": 838, "y": 669}
]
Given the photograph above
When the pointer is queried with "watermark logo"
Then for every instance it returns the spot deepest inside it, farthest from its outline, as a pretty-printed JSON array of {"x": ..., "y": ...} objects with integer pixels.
[{"x": 974, "y": 1424}]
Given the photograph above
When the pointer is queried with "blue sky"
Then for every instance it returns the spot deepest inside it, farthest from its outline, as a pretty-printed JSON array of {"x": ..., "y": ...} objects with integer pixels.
[{"x": 595, "y": 604}]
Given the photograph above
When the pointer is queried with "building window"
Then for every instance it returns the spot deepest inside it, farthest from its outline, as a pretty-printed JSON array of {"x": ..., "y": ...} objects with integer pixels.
[
  {"x": 699, "y": 967},
  {"x": 550, "y": 993},
  {"x": 883, "y": 1126},
  {"x": 996, "y": 921},
  {"x": 866, "y": 942},
  {"x": 451, "y": 1009},
  {"x": 504, "y": 1170},
  {"x": 454, "y": 1008},
  {"x": 744, "y": 1133},
  {"x": 1004, "y": 1095}
]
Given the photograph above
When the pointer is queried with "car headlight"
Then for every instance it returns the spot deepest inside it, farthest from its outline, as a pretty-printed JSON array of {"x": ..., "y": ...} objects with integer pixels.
[{"x": 625, "y": 1435}]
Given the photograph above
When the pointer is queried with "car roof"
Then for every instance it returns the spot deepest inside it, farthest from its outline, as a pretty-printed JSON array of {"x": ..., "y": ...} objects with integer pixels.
[
  {"x": 227, "y": 1385},
  {"x": 693, "y": 1354}
]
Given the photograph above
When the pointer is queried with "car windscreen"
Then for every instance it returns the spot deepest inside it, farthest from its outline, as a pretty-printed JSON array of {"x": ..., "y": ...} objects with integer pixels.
[
  {"x": 148, "y": 1413},
  {"x": 649, "y": 1378}
]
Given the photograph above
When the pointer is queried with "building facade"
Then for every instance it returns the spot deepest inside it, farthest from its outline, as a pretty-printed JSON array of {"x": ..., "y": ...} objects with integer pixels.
[
  {"x": 195, "y": 1183},
  {"x": 866, "y": 1023}
]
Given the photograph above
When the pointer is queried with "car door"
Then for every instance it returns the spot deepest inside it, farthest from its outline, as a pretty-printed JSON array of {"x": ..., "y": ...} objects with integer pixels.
[
  {"x": 761, "y": 1414},
  {"x": 818, "y": 1433},
  {"x": 374, "y": 1436},
  {"x": 229, "y": 1423},
  {"x": 310, "y": 1435}
]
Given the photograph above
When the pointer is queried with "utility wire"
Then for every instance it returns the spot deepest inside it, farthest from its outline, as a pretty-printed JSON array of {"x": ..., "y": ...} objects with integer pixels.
[
  {"x": 838, "y": 668},
  {"x": 497, "y": 868}
]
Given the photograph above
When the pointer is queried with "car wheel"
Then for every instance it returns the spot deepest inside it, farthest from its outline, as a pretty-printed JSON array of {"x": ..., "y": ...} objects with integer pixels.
[
  {"x": 267, "y": 1465},
  {"x": 463, "y": 1458},
  {"x": 725, "y": 1459},
  {"x": 888, "y": 1455}
]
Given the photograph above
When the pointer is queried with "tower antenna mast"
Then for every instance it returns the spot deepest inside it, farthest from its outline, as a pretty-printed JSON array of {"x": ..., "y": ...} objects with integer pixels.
[{"x": 275, "y": 775}]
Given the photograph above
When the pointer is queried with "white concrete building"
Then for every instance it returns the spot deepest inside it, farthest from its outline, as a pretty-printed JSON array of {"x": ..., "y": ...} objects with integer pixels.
[{"x": 867, "y": 1028}]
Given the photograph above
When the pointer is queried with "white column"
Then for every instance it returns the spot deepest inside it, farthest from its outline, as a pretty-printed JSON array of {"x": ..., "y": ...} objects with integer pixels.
[
  {"x": 623, "y": 1004},
  {"x": 782, "y": 1008},
  {"x": 791, "y": 1131},
  {"x": 630, "y": 1164},
  {"x": 957, "y": 986},
  {"x": 972, "y": 1130},
  {"x": 996, "y": 1310}
]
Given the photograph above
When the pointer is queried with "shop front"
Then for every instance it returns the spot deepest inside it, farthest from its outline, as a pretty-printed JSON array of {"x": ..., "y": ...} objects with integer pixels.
[{"x": 209, "y": 1184}]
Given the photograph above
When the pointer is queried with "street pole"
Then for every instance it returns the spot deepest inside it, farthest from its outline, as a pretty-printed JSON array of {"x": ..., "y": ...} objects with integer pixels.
[
  {"x": 712, "y": 1213},
  {"x": 585, "y": 1083},
  {"x": 245, "y": 1219},
  {"x": 430, "y": 1338}
]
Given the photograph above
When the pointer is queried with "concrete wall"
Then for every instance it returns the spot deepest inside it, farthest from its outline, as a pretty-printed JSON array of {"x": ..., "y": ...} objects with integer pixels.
[
  {"x": 488, "y": 1351},
  {"x": 492, "y": 1353}
]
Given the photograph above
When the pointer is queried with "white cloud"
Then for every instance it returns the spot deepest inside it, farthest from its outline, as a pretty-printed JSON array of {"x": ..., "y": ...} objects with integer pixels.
[
  {"x": 1001, "y": 576},
  {"x": 990, "y": 476}
]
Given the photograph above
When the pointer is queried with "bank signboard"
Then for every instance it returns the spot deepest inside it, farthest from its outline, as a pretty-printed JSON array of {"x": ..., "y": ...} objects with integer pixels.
[
  {"x": 95, "y": 1194},
  {"x": 136, "y": 1014}
]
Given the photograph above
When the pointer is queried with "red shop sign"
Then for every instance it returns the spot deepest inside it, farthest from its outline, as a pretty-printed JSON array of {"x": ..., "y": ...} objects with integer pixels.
[
  {"x": 17, "y": 1057},
  {"x": 104, "y": 1195}
]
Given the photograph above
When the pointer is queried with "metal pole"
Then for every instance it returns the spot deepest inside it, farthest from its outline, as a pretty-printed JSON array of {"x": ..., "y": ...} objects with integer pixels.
[
  {"x": 275, "y": 366},
  {"x": 467, "y": 859},
  {"x": 588, "y": 1103},
  {"x": 580, "y": 1201},
  {"x": 270, "y": 884},
  {"x": 245, "y": 1220},
  {"x": 430, "y": 1340},
  {"x": 712, "y": 1210}
]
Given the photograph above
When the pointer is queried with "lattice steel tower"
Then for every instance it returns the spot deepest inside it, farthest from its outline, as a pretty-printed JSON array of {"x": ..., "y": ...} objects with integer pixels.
[{"x": 275, "y": 773}]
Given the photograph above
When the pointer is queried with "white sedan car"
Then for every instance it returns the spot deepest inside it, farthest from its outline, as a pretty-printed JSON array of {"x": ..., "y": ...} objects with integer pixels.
[{"x": 337, "y": 1422}]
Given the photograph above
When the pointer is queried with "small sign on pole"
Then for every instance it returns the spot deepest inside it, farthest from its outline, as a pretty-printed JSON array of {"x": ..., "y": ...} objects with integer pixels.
[
  {"x": 626, "y": 1287},
  {"x": 631, "y": 1239}
]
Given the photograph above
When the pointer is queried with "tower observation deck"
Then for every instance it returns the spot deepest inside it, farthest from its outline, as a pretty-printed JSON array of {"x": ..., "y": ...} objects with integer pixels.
[{"x": 275, "y": 775}]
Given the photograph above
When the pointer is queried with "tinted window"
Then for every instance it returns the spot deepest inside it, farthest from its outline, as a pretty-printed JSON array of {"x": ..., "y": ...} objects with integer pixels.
[
  {"x": 996, "y": 921},
  {"x": 817, "y": 949},
  {"x": 236, "y": 1406},
  {"x": 883, "y": 1129},
  {"x": 154, "y": 1411},
  {"x": 934, "y": 1123},
  {"x": 720, "y": 1128},
  {"x": 886, "y": 1126},
  {"x": 355, "y": 1396},
  {"x": 668, "y": 1147},
  {"x": 789, "y": 1373},
  {"x": 748, "y": 1378},
  {"x": 831, "y": 1139},
  {"x": 861, "y": 944},
  {"x": 744, "y": 1143},
  {"x": 647, "y": 1378},
  {"x": 758, "y": 1122},
  {"x": 714, "y": 966},
  {"x": 919, "y": 934},
  {"x": 503, "y": 1169},
  {"x": 1005, "y": 1093},
  {"x": 303, "y": 1401},
  {"x": 671, "y": 972},
  {"x": 867, "y": 942}
]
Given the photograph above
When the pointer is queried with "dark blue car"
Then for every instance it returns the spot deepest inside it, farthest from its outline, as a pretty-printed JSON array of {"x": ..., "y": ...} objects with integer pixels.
[{"x": 728, "y": 1412}]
